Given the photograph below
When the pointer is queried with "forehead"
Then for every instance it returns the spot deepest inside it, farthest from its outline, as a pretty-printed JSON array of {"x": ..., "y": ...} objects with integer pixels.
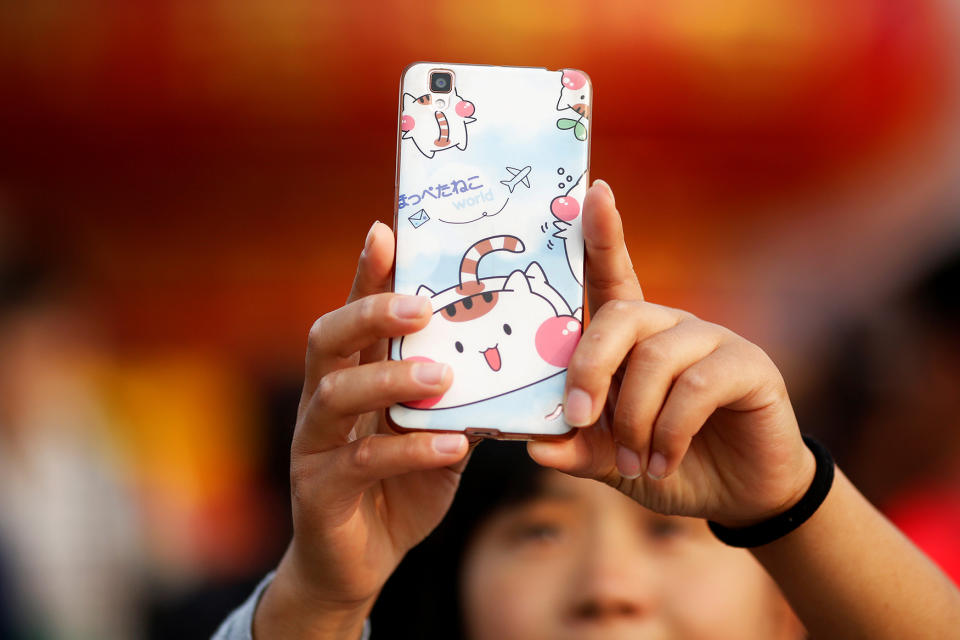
[
  {"x": 581, "y": 493},
  {"x": 562, "y": 486},
  {"x": 590, "y": 496}
]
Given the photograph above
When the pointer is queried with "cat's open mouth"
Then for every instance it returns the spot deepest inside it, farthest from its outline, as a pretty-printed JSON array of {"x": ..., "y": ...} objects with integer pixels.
[{"x": 492, "y": 356}]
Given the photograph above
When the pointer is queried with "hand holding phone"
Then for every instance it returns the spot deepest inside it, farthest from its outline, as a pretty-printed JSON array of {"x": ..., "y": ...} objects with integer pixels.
[{"x": 346, "y": 465}]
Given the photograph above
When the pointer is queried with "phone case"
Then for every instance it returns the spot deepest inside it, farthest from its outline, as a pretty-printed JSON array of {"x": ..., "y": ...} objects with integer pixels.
[{"x": 490, "y": 182}]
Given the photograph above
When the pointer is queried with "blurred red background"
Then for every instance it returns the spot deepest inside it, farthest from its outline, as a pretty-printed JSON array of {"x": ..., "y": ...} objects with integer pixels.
[
  {"x": 208, "y": 172},
  {"x": 217, "y": 164}
]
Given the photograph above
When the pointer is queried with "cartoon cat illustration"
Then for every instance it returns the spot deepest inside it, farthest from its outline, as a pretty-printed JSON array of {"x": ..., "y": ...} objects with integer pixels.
[
  {"x": 499, "y": 334},
  {"x": 573, "y": 97},
  {"x": 434, "y": 129},
  {"x": 566, "y": 210}
]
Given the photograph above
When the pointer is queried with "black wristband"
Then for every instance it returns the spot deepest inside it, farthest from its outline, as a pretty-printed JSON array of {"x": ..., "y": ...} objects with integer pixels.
[{"x": 778, "y": 526}]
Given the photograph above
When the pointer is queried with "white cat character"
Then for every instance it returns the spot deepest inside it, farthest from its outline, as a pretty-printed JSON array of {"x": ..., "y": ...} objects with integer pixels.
[
  {"x": 574, "y": 97},
  {"x": 433, "y": 129},
  {"x": 566, "y": 209},
  {"x": 499, "y": 334}
]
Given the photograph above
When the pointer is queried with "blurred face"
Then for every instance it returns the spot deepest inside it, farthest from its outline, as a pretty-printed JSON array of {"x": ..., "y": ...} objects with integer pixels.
[{"x": 581, "y": 560}]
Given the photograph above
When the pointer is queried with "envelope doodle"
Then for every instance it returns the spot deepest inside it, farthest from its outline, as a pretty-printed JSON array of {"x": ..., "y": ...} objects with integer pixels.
[{"x": 418, "y": 219}]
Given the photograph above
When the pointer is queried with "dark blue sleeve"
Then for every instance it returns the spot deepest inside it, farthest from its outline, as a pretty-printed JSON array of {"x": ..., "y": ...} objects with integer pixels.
[
  {"x": 239, "y": 625},
  {"x": 6, "y": 598}
]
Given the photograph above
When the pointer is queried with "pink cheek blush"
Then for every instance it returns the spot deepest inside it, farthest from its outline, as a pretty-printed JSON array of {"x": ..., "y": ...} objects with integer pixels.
[
  {"x": 565, "y": 208},
  {"x": 425, "y": 403},
  {"x": 573, "y": 79},
  {"x": 464, "y": 109},
  {"x": 557, "y": 338},
  {"x": 406, "y": 123}
]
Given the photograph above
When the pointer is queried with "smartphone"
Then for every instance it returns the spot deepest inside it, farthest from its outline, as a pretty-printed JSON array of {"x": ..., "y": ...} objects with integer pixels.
[{"x": 492, "y": 167}]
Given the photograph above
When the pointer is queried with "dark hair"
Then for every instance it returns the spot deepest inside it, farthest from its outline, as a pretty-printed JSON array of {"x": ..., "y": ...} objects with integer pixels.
[
  {"x": 6, "y": 606},
  {"x": 35, "y": 272},
  {"x": 860, "y": 353},
  {"x": 422, "y": 599},
  {"x": 935, "y": 297},
  {"x": 24, "y": 282}
]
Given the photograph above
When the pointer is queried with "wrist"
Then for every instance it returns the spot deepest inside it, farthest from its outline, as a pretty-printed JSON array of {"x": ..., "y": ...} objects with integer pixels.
[
  {"x": 800, "y": 480},
  {"x": 794, "y": 517},
  {"x": 290, "y": 608}
]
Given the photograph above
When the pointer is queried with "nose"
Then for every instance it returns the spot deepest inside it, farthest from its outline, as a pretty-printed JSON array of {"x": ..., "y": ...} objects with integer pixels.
[
  {"x": 604, "y": 609},
  {"x": 611, "y": 600},
  {"x": 615, "y": 581}
]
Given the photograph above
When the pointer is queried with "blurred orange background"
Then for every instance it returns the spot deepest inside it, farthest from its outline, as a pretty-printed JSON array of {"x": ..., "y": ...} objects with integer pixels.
[{"x": 206, "y": 173}]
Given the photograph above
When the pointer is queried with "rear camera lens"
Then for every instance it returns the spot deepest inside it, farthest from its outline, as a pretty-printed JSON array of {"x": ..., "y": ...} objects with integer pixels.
[{"x": 441, "y": 82}]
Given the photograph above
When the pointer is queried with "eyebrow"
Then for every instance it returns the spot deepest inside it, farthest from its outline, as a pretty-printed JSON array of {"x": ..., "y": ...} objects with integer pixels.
[{"x": 546, "y": 493}]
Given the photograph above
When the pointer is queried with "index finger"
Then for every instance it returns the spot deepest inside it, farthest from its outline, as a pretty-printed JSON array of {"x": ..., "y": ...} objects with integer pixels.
[
  {"x": 373, "y": 276},
  {"x": 339, "y": 335},
  {"x": 609, "y": 270}
]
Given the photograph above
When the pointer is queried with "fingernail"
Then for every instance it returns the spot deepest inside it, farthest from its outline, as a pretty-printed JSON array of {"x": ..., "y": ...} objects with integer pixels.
[
  {"x": 429, "y": 373},
  {"x": 628, "y": 462},
  {"x": 369, "y": 240},
  {"x": 449, "y": 442},
  {"x": 606, "y": 186},
  {"x": 657, "y": 466},
  {"x": 409, "y": 306},
  {"x": 578, "y": 408}
]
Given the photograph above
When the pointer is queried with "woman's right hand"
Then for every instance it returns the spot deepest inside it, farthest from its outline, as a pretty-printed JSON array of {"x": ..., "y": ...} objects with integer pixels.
[{"x": 362, "y": 496}]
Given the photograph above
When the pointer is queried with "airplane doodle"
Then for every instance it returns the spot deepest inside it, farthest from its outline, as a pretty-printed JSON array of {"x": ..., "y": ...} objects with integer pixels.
[{"x": 519, "y": 176}]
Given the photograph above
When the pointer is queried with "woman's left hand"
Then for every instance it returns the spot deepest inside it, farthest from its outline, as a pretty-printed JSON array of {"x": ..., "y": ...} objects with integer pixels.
[{"x": 684, "y": 416}]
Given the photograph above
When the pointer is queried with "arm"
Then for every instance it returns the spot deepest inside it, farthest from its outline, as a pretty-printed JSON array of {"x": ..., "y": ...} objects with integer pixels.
[
  {"x": 288, "y": 610},
  {"x": 848, "y": 572},
  {"x": 688, "y": 418}
]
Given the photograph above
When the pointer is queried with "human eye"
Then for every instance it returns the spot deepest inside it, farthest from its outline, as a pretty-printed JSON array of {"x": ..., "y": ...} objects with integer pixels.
[
  {"x": 540, "y": 526},
  {"x": 538, "y": 531}
]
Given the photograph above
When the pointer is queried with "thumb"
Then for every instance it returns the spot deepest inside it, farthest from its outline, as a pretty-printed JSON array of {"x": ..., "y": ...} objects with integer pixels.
[
  {"x": 376, "y": 263},
  {"x": 609, "y": 271},
  {"x": 373, "y": 276}
]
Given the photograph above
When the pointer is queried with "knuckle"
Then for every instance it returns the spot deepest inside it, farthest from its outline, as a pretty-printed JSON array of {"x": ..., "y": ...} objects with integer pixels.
[
  {"x": 368, "y": 310},
  {"x": 651, "y": 352},
  {"x": 626, "y": 424},
  {"x": 596, "y": 337},
  {"x": 414, "y": 448},
  {"x": 670, "y": 440},
  {"x": 363, "y": 452},
  {"x": 694, "y": 382},
  {"x": 383, "y": 380},
  {"x": 301, "y": 478},
  {"x": 315, "y": 335},
  {"x": 616, "y": 307},
  {"x": 585, "y": 368},
  {"x": 326, "y": 389}
]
